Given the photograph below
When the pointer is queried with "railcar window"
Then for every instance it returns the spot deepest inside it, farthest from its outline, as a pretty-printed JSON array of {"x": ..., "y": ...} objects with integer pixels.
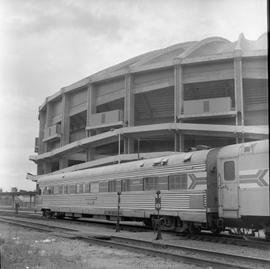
[
  {"x": 66, "y": 189},
  {"x": 87, "y": 187},
  {"x": 135, "y": 184},
  {"x": 178, "y": 182},
  {"x": 56, "y": 190},
  {"x": 150, "y": 183},
  {"x": 61, "y": 189},
  {"x": 45, "y": 190},
  {"x": 162, "y": 183},
  {"x": 38, "y": 190},
  {"x": 114, "y": 186},
  {"x": 94, "y": 187},
  {"x": 125, "y": 185},
  {"x": 229, "y": 170},
  {"x": 79, "y": 188},
  {"x": 51, "y": 190},
  {"x": 72, "y": 189},
  {"x": 103, "y": 187}
]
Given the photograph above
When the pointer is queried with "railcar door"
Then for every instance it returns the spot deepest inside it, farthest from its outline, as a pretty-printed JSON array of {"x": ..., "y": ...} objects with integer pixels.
[{"x": 228, "y": 188}]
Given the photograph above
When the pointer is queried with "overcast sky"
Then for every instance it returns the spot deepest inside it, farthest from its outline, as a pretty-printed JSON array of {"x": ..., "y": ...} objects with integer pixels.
[{"x": 49, "y": 44}]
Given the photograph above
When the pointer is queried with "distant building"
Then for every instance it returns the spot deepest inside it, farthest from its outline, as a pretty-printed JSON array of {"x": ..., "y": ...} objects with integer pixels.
[{"x": 211, "y": 92}]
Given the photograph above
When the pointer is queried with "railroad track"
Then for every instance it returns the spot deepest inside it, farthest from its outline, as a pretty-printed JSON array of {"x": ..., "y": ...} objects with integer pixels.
[
  {"x": 230, "y": 240},
  {"x": 208, "y": 237},
  {"x": 191, "y": 255}
]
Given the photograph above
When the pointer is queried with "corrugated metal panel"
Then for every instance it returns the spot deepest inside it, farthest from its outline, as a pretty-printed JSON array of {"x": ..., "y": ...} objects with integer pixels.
[{"x": 136, "y": 201}]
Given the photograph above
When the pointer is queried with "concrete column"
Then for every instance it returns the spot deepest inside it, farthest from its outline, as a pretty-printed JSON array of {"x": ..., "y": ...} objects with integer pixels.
[
  {"x": 181, "y": 143},
  {"x": 46, "y": 167},
  {"x": 128, "y": 145},
  {"x": 91, "y": 105},
  {"x": 176, "y": 142},
  {"x": 48, "y": 121},
  {"x": 63, "y": 163},
  {"x": 178, "y": 103},
  {"x": 178, "y": 92},
  {"x": 90, "y": 154},
  {"x": 129, "y": 102},
  {"x": 42, "y": 121},
  {"x": 48, "y": 113},
  {"x": 238, "y": 90},
  {"x": 128, "y": 113},
  {"x": 65, "y": 128},
  {"x": 40, "y": 168}
]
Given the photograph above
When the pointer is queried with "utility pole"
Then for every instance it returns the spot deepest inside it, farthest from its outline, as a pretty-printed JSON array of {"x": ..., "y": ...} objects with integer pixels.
[{"x": 158, "y": 207}]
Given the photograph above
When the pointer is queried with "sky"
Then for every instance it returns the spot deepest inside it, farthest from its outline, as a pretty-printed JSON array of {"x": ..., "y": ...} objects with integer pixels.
[{"x": 49, "y": 44}]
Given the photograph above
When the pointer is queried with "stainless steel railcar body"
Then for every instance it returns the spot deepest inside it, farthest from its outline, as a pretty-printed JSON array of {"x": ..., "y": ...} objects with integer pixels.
[{"x": 187, "y": 201}]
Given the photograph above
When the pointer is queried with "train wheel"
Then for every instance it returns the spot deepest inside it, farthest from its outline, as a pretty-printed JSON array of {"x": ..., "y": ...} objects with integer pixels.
[
  {"x": 168, "y": 223},
  {"x": 195, "y": 229},
  {"x": 47, "y": 214},
  {"x": 215, "y": 230}
]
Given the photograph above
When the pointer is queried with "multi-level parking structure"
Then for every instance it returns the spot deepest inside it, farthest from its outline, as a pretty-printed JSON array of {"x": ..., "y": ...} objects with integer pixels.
[{"x": 212, "y": 92}]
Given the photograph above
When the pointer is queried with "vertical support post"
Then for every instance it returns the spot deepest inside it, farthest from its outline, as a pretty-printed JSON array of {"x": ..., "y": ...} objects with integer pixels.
[
  {"x": 42, "y": 122},
  {"x": 91, "y": 109},
  {"x": 90, "y": 154},
  {"x": 178, "y": 100},
  {"x": 119, "y": 147},
  {"x": 65, "y": 120},
  {"x": 181, "y": 143},
  {"x": 91, "y": 105},
  {"x": 47, "y": 121},
  {"x": 63, "y": 163},
  {"x": 118, "y": 212},
  {"x": 128, "y": 113},
  {"x": 177, "y": 91},
  {"x": 48, "y": 113},
  {"x": 238, "y": 88}
]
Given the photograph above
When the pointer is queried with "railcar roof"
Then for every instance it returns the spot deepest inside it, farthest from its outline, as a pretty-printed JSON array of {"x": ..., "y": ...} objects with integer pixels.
[
  {"x": 140, "y": 165},
  {"x": 232, "y": 151}
]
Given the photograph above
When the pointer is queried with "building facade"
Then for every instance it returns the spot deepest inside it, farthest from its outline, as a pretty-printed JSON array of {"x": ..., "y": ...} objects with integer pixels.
[{"x": 211, "y": 92}]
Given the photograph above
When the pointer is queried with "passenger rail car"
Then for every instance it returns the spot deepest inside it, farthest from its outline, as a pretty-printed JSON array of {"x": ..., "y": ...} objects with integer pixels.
[{"x": 207, "y": 189}]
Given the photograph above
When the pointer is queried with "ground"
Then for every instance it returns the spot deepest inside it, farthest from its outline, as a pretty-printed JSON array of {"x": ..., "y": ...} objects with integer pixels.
[{"x": 28, "y": 249}]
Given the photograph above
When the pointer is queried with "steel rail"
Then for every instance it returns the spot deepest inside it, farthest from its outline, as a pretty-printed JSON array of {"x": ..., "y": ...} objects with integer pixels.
[
  {"x": 151, "y": 248},
  {"x": 221, "y": 238}
]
